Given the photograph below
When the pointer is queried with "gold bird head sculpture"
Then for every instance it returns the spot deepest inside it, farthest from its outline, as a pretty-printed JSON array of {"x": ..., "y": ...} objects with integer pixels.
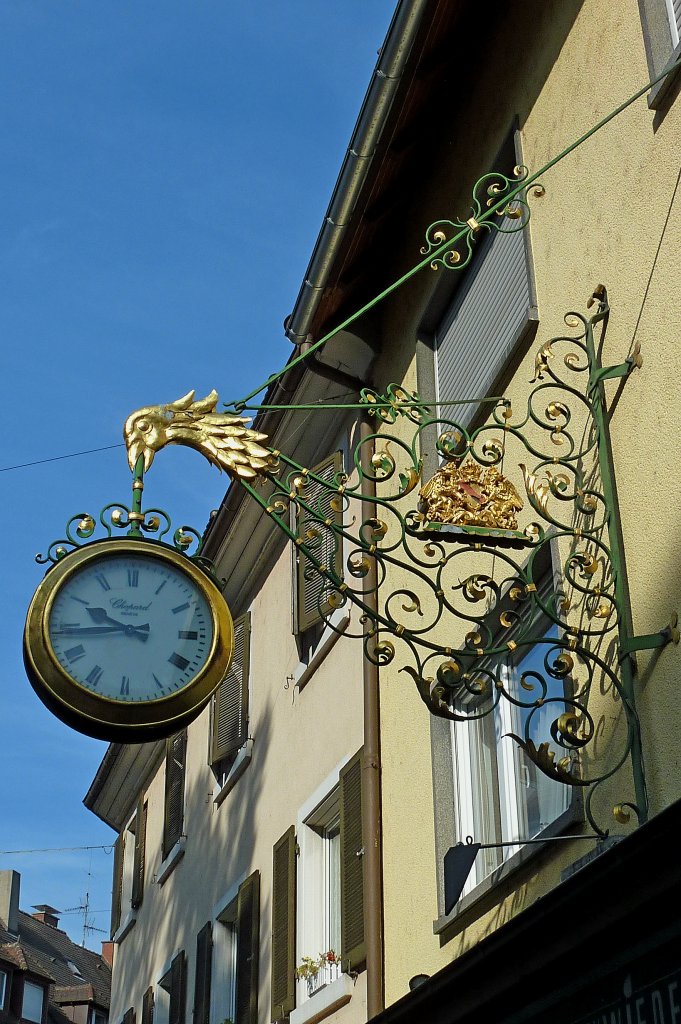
[{"x": 224, "y": 440}]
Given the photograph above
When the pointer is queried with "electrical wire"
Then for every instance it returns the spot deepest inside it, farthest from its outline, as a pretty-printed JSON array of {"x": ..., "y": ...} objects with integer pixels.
[
  {"x": 57, "y": 458},
  {"x": 58, "y": 849}
]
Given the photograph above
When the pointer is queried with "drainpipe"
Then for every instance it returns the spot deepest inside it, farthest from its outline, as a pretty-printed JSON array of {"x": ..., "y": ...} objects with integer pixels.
[{"x": 372, "y": 832}]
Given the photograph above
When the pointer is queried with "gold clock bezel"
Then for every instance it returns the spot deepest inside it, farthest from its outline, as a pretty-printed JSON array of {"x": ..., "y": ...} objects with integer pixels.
[{"x": 105, "y": 717}]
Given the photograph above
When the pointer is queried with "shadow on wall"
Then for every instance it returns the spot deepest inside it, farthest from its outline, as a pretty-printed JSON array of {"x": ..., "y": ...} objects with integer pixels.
[{"x": 219, "y": 852}]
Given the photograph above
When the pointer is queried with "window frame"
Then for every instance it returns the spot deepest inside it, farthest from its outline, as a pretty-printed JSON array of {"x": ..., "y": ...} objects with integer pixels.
[
  {"x": 5, "y": 982},
  {"x": 234, "y": 988},
  {"x": 306, "y": 624},
  {"x": 446, "y": 825},
  {"x": 35, "y": 985},
  {"x": 228, "y": 767},
  {"x": 661, "y": 48}
]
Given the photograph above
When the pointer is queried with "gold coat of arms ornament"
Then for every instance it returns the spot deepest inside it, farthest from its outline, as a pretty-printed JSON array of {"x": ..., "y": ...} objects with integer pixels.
[{"x": 473, "y": 499}]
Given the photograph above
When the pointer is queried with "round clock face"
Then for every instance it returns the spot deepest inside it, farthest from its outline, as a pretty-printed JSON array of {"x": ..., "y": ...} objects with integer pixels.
[
  {"x": 127, "y": 640},
  {"x": 130, "y": 628}
]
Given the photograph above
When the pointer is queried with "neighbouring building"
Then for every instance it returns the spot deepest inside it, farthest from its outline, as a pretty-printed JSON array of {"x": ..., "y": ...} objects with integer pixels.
[
  {"x": 45, "y": 977},
  {"x": 312, "y": 807}
]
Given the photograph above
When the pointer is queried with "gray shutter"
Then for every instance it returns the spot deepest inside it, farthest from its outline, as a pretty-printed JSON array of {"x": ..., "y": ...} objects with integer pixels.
[
  {"x": 677, "y": 17},
  {"x": 174, "y": 792},
  {"x": 129, "y": 1016},
  {"x": 204, "y": 951},
  {"x": 247, "y": 946},
  {"x": 284, "y": 925},
  {"x": 178, "y": 988},
  {"x": 148, "y": 1007},
  {"x": 140, "y": 853},
  {"x": 117, "y": 890},
  {"x": 229, "y": 709},
  {"x": 327, "y": 549},
  {"x": 484, "y": 323},
  {"x": 353, "y": 948}
]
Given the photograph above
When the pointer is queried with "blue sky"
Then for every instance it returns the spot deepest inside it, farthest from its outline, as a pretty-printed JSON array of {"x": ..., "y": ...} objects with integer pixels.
[{"x": 164, "y": 169}]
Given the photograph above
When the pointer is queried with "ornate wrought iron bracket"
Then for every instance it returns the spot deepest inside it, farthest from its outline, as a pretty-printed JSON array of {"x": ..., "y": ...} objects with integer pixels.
[{"x": 634, "y": 361}]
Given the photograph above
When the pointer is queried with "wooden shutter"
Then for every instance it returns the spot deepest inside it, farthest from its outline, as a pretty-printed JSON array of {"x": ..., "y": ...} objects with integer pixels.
[
  {"x": 353, "y": 949},
  {"x": 117, "y": 890},
  {"x": 204, "y": 952},
  {"x": 129, "y": 1016},
  {"x": 174, "y": 796},
  {"x": 284, "y": 925},
  {"x": 148, "y": 1007},
  {"x": 248, "y": 947},
  {"x": 229, "y": 725},
  {"x": 326, "y": 545},
  {"x": 178, "y": 988},
  {"x": 140, "y": 853}
]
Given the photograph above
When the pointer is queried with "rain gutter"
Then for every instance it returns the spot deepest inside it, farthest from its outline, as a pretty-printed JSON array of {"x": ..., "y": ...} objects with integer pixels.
[{"x": 364, "y": 142}]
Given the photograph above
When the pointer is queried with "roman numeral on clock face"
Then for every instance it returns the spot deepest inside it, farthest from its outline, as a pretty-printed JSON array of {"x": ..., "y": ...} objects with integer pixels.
[
  {"x": 133, "y": 577},
  {"x": 125, "y": 686},
  {"x": 94, "y": 676},
  {"x": 103, "y": 581},
  {"x": 178, "y": 661},
  {"x": 74, "y": 653}
]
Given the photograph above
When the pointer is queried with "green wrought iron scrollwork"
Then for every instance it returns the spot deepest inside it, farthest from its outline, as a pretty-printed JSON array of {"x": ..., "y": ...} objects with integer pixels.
[
  {"x": 153, "y": 524},
  {"x": 458, "y": 600}
]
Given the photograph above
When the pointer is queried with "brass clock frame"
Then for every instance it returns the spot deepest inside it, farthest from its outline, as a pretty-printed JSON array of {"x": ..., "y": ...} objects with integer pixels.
[{"x": 104, "y": 717}]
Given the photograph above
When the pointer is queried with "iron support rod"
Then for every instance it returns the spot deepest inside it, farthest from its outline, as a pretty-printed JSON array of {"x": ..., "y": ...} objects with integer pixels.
[
  {"x": 372, "y": 834},
  {"x": 616, "y": 543},
  {"x": 136, "y": 504}
]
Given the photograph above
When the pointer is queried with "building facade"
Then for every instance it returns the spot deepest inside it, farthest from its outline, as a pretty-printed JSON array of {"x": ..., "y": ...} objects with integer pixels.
[
  {"x": 310, "y": 810},
  {"x": 44, "y": 976}
]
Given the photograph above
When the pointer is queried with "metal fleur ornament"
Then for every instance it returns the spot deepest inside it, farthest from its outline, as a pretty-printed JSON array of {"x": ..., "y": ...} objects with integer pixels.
[{"x": 498, "y": 204}]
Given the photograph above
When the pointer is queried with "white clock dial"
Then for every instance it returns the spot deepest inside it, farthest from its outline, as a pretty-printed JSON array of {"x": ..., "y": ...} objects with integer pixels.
[{"x": 131, "y": 628}]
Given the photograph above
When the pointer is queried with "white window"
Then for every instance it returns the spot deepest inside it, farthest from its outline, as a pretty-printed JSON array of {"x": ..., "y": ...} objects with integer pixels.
[
  {"x": 3, "y": 988},
  {"x": 32, "y": 1003},
  {"x": 223, "y": 969},
  {"x": 500, "y": 795},
  {"x": 319, "y": 896}
]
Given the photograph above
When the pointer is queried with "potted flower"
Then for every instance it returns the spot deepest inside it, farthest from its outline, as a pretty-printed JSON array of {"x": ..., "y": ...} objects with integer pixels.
[{"x": 311, "y": 967}]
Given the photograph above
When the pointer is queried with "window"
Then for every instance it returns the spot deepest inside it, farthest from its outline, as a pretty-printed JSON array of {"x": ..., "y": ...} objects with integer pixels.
[
  {"x": 4, "y": 985},
  {"x": 317, "y": 902},
  {"x": 148, "y": 1006},
  {"x": 169, "y": 1003},
  {"x": 661, "y": 21},
  {"x": 312, "y": 589},
  {"x": 493, "y": 311},
  {"x": 173, "y": 818},
  {"x": 98, "y": 1016},
  {"x": 129, "y": 864},
  {"x": 234, "y": 987},
  {"x": 229, "y": 707},
  {"x": 202, "y": 976},
  {"x": 499, "y": 794},
  {"x": 32, "y": 1002}
]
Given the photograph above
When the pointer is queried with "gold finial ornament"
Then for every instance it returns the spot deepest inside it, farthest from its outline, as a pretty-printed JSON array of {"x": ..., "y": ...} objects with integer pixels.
[
  {"x": 223, "y": 439},
  {"x": 470, "y": 495}
]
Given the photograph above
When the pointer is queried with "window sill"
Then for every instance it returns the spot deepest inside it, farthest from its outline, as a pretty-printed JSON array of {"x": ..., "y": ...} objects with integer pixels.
[
  {"x": 241, "y": 762},
  {"x": 324, "y": 1001},
  {"x": 338, "y": 623},
  {"x": 469, "y": 906},
  {"x": 171, "y": 861},
  {"x": 125, "y": 927}
]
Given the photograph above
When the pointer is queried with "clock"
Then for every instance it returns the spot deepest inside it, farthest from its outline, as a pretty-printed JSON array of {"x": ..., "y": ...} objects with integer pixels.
[{"x": 127, "y": 639}]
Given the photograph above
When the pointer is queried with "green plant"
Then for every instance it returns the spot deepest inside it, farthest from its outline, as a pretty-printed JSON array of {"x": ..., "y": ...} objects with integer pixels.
[{"x": 309, "y": 967}]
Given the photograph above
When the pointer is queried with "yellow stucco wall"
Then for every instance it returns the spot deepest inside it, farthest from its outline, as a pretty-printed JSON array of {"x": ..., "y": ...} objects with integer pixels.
[{"x": 559, "y": 67}]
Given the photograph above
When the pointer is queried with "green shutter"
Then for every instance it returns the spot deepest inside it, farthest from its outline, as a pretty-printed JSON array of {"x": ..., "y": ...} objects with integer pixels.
[
  {"x": 327, "y": 546},
  {"x": 148, "y": 1007},
  {"x": 117, "y": 890},
  {"x": 204, "y": 951},
  {"x": 353, "y": 949},
  {"x": 140, "y": 853},
  {"x": 248, "y": 945},
  {"x": 229, "y": 709},
  {"x": 174, "y": 795},
  {"x": 178, "y": 988},
  {"x": 284, "y": 925}
]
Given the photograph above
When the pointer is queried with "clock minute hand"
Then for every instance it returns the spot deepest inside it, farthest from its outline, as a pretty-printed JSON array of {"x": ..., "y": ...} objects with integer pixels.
[{"x": 141, "y": 631}]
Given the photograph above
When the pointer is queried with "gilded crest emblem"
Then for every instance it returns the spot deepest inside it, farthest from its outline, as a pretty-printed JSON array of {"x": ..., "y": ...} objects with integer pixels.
[{"x": 470, "y": 495}]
